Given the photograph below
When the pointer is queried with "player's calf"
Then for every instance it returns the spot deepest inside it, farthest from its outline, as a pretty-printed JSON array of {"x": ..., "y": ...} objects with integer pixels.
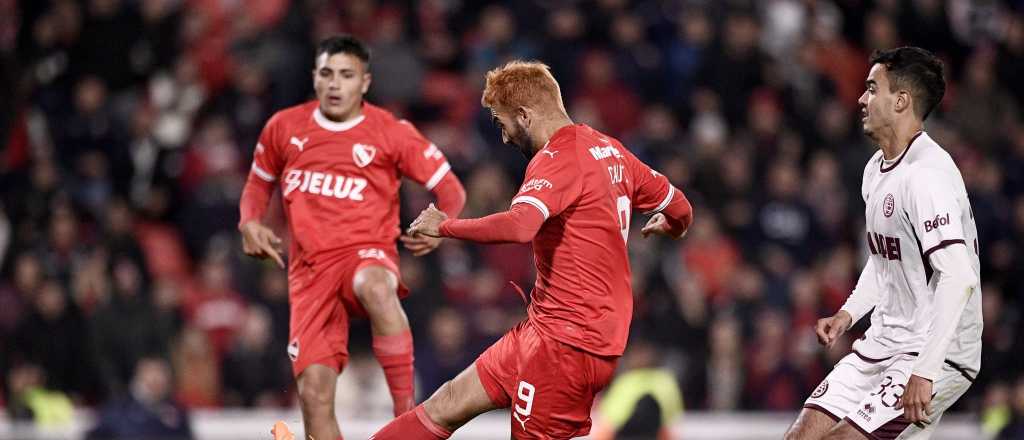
[
  {"x": 459, "y": 400},
  {"x": 375, "y": 288},
  {"x": 454, "y": 404},
  {"x": 316, "y": 398}
]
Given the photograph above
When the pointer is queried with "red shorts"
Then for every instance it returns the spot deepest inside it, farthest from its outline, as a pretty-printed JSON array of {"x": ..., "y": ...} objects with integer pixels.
[
  {"x": 549, "y": 385},
  {"x": 322, "y": 299}
]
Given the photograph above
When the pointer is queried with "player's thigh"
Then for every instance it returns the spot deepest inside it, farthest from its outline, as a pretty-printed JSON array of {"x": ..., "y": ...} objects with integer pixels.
[
  {"x": 374, "y": 279},
  {"x": 811, "y": 424},
  {"x": 950, "y": 386},
  {"x": 555, "y": 390},
  {"x": 877, "y": 415},
  {"x": 459, "y": 400},
  {"x": 845, "y": 387},
  {"x": 375, "y": 284},
  {"x": 318, "y": 324}
]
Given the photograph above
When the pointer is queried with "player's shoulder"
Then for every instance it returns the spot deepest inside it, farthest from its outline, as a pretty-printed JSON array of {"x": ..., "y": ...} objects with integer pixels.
[
  {"x": 383, "y": 117},
  {"x": 930, "y": 162},
  {"x": 386, "y": 121},
  {"x": 293, "y": 115}
]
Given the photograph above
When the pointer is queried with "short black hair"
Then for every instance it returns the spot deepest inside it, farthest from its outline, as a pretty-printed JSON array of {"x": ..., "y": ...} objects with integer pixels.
[
  {"x": 916, "y": 70},
  {"x": 346, "y": 44}
]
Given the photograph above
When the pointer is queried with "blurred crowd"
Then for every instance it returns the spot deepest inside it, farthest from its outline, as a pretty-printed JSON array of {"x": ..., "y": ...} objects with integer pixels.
[{"x": 128, "y": 127}]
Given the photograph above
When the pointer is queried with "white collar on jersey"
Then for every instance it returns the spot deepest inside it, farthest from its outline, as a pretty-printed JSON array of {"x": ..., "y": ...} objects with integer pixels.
[{"x": 330, "y": 125}]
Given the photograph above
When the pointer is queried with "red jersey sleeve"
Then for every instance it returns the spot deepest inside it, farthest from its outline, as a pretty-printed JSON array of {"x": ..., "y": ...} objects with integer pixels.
[
  {"x": 417, "y": 158},
  {"x": 553, "y": 181},
  {"x": 652, "y": 191},
  {"x": 266, "y": 158},
  {"x": 265, "y": 169}
]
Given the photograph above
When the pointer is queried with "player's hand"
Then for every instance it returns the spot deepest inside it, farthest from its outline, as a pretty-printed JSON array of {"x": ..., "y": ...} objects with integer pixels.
[
  {"x": 428, "y": 223},
  {"x": 917, "y": 400},
  {"x": 420, "y": 245},
  {"x": 261, "y": 242},
  {"x": 658, "y": 224},
  {"x": 830, "y": 329}
]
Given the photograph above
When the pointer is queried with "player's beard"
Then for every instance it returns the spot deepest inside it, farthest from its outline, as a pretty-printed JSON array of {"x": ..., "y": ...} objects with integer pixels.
[{"x": 521, "y": 140}]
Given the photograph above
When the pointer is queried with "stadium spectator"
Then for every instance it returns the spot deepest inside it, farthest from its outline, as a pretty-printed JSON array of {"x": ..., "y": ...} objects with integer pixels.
[{"x": 148, "y": 411}]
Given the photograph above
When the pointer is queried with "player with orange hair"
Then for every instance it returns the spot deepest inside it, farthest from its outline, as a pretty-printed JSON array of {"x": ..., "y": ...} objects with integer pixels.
[{"x": 575, "y": 205}]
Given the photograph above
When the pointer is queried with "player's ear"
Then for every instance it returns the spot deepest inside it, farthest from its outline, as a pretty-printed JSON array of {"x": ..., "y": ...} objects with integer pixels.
[
  {"x": 367, "y": 78},
  {"x": 523, "y": 115},
  {"x": 902, "y": 101}
]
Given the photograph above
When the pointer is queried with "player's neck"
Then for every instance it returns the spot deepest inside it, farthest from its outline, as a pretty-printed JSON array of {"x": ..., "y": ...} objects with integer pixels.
[
  {"x": 546, "y": 128},
  {"x": 896, "y": 139}
]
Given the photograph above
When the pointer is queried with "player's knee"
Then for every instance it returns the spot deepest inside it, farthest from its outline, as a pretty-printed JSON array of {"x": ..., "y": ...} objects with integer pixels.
[
  {"x": 792, "y": 434},
  {"x": 799, "y": 430},
  {"x": 316, "y": 395},
  {"x": 374, "y": 290}
]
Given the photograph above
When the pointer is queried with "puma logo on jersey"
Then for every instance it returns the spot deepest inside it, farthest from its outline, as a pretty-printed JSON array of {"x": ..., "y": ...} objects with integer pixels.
[
  {"x": 886, "y": 247},
  {"x": 605, "y": 152},
  {"x": 323, "y": 184},
  {"x": 297, "y": 143},
  {"x": 432, "y": 152},
  {"x": 522, "y": 421},
  {"x": 549, "y": 153},
  {"x": 293, "y": 350},
  {"x": 934, "y": 223},
  {"x": 363, "y": 154}
]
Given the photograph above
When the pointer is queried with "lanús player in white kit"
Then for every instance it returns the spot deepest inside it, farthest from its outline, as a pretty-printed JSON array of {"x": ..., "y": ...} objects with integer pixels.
[{"x": 923, "y": 348}]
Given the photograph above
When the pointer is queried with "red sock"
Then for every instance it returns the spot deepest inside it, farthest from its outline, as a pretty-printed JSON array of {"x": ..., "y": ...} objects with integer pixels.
[
  {"x": 394, "y": 352},
  {"x": 413, "y": 425}
]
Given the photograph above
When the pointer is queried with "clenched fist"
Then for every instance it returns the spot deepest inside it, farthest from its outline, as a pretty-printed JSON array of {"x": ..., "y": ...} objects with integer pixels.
[
  {"x": 830, "y": 329},
  {"x": 428, "y": 223}
]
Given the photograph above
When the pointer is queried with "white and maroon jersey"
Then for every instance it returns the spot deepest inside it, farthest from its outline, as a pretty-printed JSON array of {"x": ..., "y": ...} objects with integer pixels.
[
  {"x": 586, "y": 185},
  {"x": 339, "y": 181},
  {"x": 917, "y": 204}
]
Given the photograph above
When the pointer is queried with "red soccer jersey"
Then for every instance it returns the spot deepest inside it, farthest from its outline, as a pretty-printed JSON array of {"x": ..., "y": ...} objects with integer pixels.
[
  {"x": 339, "y": 181},
  {"x": 586, "y": 185}
]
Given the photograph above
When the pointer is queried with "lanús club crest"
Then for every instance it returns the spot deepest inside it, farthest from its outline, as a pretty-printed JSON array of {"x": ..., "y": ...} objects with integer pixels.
[
  {"x": 888, "y": 205},
  {"x": 363, "y": 154},
  {"x": 820, "y": 390}
]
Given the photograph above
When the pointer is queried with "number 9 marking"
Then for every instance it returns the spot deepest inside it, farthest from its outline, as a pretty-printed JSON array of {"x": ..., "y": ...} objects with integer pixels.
[{"x": 526, "y": 395}]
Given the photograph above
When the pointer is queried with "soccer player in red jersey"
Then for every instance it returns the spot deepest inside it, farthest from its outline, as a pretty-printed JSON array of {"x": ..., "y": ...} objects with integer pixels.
[
  {"x": 338, "y": 162},
  {"x": 575, "y": 205}
]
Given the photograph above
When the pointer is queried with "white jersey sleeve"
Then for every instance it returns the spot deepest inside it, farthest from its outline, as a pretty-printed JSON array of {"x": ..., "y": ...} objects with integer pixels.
[
  {"x": 953, "y": 292},
  {"x": 933, "y": 210},
  {"x": 865, "y": 295}
]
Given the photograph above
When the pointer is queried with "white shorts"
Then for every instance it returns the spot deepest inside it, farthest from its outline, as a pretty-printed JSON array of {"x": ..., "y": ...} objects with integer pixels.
[{"x": 865, "y": 391}]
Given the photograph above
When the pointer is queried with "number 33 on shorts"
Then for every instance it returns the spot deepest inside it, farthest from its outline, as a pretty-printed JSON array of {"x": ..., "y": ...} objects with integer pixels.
[{"x": 522, "y": 412}]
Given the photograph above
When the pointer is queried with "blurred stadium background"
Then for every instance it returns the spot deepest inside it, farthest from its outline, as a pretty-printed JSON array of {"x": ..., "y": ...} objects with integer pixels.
[{"x": 128, "y": 126}]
